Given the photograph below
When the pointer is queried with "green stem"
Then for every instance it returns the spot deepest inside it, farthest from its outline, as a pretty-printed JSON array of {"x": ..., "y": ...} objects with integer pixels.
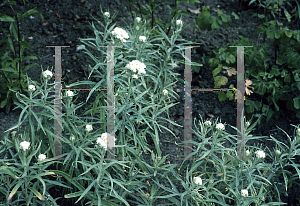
[
  {"x": 173, "y": 16},
  {"x": 19, "y": 64}
]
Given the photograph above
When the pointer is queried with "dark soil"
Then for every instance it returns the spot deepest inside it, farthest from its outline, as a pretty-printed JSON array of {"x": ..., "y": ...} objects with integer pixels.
[{"x": 67, "y": 21}]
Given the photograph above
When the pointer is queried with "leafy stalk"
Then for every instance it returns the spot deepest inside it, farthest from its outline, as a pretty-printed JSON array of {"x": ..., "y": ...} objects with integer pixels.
[{"x": 18, "y": 42}]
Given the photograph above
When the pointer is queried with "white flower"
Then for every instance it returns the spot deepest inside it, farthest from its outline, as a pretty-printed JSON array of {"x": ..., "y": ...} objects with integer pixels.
[
  {"x": 298, "y": 130},
  {"x": 247, "y": 124},
  {"x": 165, "y": 92},
  {"x": 244, "y": 193},
  {"x": 207, "y": 123},
  {"x": 70, "y": 93},
  {"x": 42, "y": 157},
  {"x": 137, "y": 28},
  {"x": 278, "y": 152},
  {"x": 102, "y": 141},
  {"x": 88, "y": 127},
  {"x": 247, "y": 152},
  {"x": 120, "y": 34},
  {"x": 260, "y": 154},
  {"x": 179, "y": 23},
  {"x": 80, "y": 47},
  {"x": 136, "y": 65},
  {"x": 72, "y": 138},
  {"x": 142, "y": 38},
  {"x": 47, "y": 74},
  {"x": 138, "y": 19},
  {"x": 24, "y": 145},
  {"x": 198, "y": 180},
  {"x": 31, "y": 87},
  {"x": 220, "y": 126},
  {"x": 135, "y": 76},
  {"x": 106, "y": 14}
]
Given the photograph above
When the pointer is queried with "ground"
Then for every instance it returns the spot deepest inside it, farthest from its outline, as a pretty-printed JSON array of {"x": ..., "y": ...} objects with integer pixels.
[{"x": 68, "y": 20}]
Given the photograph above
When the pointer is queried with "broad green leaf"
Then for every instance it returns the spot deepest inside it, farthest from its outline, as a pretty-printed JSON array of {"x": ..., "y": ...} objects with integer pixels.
[
  {"x": 235, "y": 15},
  {"x": 278, "y": 33},
  {"x": 296, "y": 102},
  {"x": 4, "y": 17},
  {"x": 287, "y": 14},
  {"x": 3, "y": 103},
  {"x": 215, "y": 25}
]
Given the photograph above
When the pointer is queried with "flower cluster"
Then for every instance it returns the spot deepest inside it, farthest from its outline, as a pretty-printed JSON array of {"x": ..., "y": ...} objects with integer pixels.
[
  {"x": 69, "y": 93},
  {"x": 120, "y": 34},
  {"x": 244, "y": 193},
  {"x": 24, "y": 145},
  {"x": 138, "y": 19},
  {"x": 260, "y": 154},
  {"x": 102, "y": 141},
  {"x": 220, "y": 126},
  {"x": 88, "y": 128},
  {"x": 142, "y": 38},
  {"x": 198, "y": 180},
  {"x": 165, "y": 92},
  {"x": 42, "y": 157},
  {"x": 47, "y": 74},
  {"x": 135, "y": 66},
  {"x": 31, "y": 88},
  {"x": 106, "y": 14},
  {"x": 207, "y": 123}
]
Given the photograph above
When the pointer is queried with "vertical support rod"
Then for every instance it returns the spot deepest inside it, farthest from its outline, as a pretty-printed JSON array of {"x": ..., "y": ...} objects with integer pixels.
[
  {"x": 187, "y": 104},
  {"x": 110, "y": 103}
]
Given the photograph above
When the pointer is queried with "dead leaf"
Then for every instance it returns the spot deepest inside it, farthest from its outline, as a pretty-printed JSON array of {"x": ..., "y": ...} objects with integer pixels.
[
  {"x": 44, "y": 24},
  {"x": 197, "y": 11}
]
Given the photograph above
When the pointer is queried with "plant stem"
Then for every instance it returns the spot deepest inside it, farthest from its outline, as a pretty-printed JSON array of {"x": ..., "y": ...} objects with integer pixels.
[
  {"x": 19, "y": 65},
  {"x": 173, "y": 16},
  {"x": 152, "y": 22}
]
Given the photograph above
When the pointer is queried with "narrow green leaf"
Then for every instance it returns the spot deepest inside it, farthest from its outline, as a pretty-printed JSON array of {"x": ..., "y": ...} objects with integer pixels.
[{"x": 37, "y": 194}]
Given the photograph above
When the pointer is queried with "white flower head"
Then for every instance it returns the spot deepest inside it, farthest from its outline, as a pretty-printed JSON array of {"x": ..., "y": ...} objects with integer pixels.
[
  {"x": 102, "y": 141},
  {"x": 135, "y": 76},
  {"x": 247, "y": 152},
  {"x": 80, "y": 47},
  {"x": 24, "y": 145},
  {"x": 69, "y": 93},
  {"x": 278, "y": 152},
  {"x": 47, "y": 74},
  {"x": 298, "y": 130},
  {"x": 142, "y": 38},
  {"x": 72, "y": 138},
  {"x": 179, "y": 22},
  {"x": 138, "y": 19},
  {"x": 198, "y": 180},
  {"x": 88, "y": 127},
  {"x": 137, "y": 27},
  {"x": 31, "y": 87},
  {"x": 120, "y": 34},
  {"x": 260, "y": 154},
  {"x": 207, "y": 123},
  {"x": 247, "y": 124},
  {"x": 165, "y": 92},
  {"x": 41, "y": 157},
  {"x": 135, "y": 66},
  {"x": 106, "y": 14},
  {"x": 220, "y": 126},
  {"x": 244, "y": 193}
]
